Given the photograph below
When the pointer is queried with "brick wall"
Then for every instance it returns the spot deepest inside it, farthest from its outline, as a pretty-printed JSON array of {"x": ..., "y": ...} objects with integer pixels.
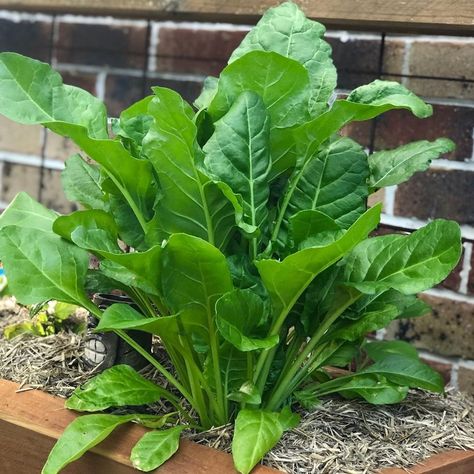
[{"x": 118, "y": 60}]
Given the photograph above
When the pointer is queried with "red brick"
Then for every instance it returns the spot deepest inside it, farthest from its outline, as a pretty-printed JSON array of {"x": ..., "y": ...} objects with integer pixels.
[
  {"x": 466, "y": 379},
  {"x": 448, "y": 330},
  {"x": 102, "y": 45},
  {"x": 121, "y": 92},
  {"x": 195, "y": 51},
  {"x": 17, "y": 178},
  {"x": 80, "y": 79},
  {"x": 356, "y": 60},
  {"x": 398, "y": 127},
  {"x": 31, "y": 38},
  {"x": 437, "y": 193},
  {"x": 52, "y": 195}
]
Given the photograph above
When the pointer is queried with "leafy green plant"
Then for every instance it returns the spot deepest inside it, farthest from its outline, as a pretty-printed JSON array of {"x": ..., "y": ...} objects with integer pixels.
[{"x": 250, "y": 234}]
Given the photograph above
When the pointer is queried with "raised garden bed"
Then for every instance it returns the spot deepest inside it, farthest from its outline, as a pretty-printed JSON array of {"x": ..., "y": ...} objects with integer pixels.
[{"x": 340, "y": 437}]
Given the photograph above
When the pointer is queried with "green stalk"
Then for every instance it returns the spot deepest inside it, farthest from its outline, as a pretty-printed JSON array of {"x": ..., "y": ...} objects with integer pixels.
[{"x": 288, "y": 379}]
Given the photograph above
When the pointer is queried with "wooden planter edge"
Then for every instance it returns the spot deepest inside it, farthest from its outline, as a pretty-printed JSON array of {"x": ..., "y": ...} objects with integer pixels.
[{"x": 31, "y": 422}]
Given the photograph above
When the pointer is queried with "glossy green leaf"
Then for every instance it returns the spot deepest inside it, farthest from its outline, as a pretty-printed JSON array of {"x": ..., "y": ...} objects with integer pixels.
[
  {"x": 391, "y": 167},
  {"x": 286, "y": 280},
  {"x": 27, "y": 213},
  {"x": 194, "y": 274},
  {"x": 134, "y": 123},
  {"x": 155, "y": 448},
  {"x": 282, "y": 83},
  {"x": 247, "y": 393},
  {"x": 238, "y": 154},
  {"x": 81, "y": 183},
  {"x": 256, "y": 432},
  {"x": 189, "y": 202},
  {"x": 378, "y": 350},
  {"x": 115, "y": 387},
  {"x": 34, "y": 93},
  {"x": 238, "y": 317},
  {"x": 208, "y": 92},
  {"x": 54, "y": 270},
  {"x": 81, "y": 435},
  {"x": 409, "y": 264},
  {"x": 285, "y": 30},
  {"x": 408, "y": 371}
]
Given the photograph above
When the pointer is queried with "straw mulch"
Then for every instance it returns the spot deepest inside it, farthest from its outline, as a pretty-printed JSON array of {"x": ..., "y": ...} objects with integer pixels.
[{"x": 338, "y": 437}]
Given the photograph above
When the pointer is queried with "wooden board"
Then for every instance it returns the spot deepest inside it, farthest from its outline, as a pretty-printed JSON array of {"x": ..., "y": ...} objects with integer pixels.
[
  {"x": 417, "y": 16},
  {"x": 32, "y": 421}
]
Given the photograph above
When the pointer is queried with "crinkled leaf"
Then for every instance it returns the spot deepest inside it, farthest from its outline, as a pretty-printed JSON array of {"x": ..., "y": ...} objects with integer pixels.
[
  {"x": 155, "y": 448},
  {"x": 282, "y": 83},
  {"x": 189, "y": 202},
  {"x": 115, "y": 387},
  {"x": 409, "y": 264},
  {"x": 238, "y": 154},
  {"x": 81, "y": 435},
  {"x": 390, "y": 167},
  {"x": 81, "y": 183},
  {"x": 285, "y": 30}
]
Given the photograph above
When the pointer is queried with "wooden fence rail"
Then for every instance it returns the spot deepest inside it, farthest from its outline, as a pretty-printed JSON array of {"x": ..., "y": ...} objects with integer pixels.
[{"x": 403, "y": 16}]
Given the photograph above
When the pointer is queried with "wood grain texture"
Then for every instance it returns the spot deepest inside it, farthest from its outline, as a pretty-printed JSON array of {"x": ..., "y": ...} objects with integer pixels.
[
  {"x": 417, "y": 16},
  {"x": 32, "y": 421}
]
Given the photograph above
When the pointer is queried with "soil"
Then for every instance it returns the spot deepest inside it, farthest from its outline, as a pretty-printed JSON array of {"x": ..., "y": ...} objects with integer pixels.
[{"x": 338, "y": 437}]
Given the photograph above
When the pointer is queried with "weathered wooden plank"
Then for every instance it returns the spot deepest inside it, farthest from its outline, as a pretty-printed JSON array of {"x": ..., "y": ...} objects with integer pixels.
[
  {"x": 419, "y": 16},
  {"x": 32, "y": 421}
]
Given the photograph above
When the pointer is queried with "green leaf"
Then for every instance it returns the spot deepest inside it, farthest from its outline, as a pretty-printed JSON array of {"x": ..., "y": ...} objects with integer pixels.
[
  {"x": 288, "y": 419},
  {"x": 238, "y": 154},
  {"x": 27, "y": 213},
  {"x": 155, "y": 448},
  {"x": 135, "y": 122},
  {"x": 287, "y": 279},
  {"x": 408, "y": 264},
  {"x": 256, "y": 432},
  {"x": 81, "y": 183},
  {"x": 247, "y": 393},
  {"x": 208, "y": 92},
  {"x": 282, "y": 83},
  {"x": 34, "y": 93},
  {"x": 408, "y": 371},
  {"x": 373, "y": 389},
  {"x": 238, "y": 317},
  {"x": 81, "y": 435},
  {"x": 195, "y": 274},
  {"x": 115, "y": 387},
  {"x": 378, "y": 350},
  {"x": 312, "y": 228},
  {"x": 391, "y": 167},
  {"x": 285, "y": 30},
  {"x": 333, "y": 182},
  {"x": 55, "y": 270},
  {"x": 189, "y": 202}
]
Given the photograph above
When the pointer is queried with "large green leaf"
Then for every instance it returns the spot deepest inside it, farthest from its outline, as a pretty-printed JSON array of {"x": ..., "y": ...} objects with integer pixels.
[
  {"x": 287, "y": 279},
  {"x": 33, "y": 93},
  {"x": 189, "y": 202},
  {"x": 238, "y": 154},
  {"x": 391, "y": 167},
  {"x": 81, "y": 183},
  {"x": 96, "y": 231},
  {"x": 56, "y": 269},
  {"x": 334, "y": 183},
  {"x": 115, "y": 387},
  {"x": 409, "y": 264},
  {"x": 81, "y": 435},
  {"x": 282, "y": 83},
  {"x": 195, "y": 274},
  {"x": 155, "y": 448},
  {"x": 239, "y": 314},
  {"x": 285, "y": 30},
  {"x": 27, "y": 213},
  {"x": 408, "y": 371},
  {"x": 378, "y": 350},
  {"x": 256, "y": 432}
]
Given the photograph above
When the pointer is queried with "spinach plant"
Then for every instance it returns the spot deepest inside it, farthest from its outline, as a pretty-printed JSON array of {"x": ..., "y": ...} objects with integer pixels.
[{"x": 251, "y": 250}]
